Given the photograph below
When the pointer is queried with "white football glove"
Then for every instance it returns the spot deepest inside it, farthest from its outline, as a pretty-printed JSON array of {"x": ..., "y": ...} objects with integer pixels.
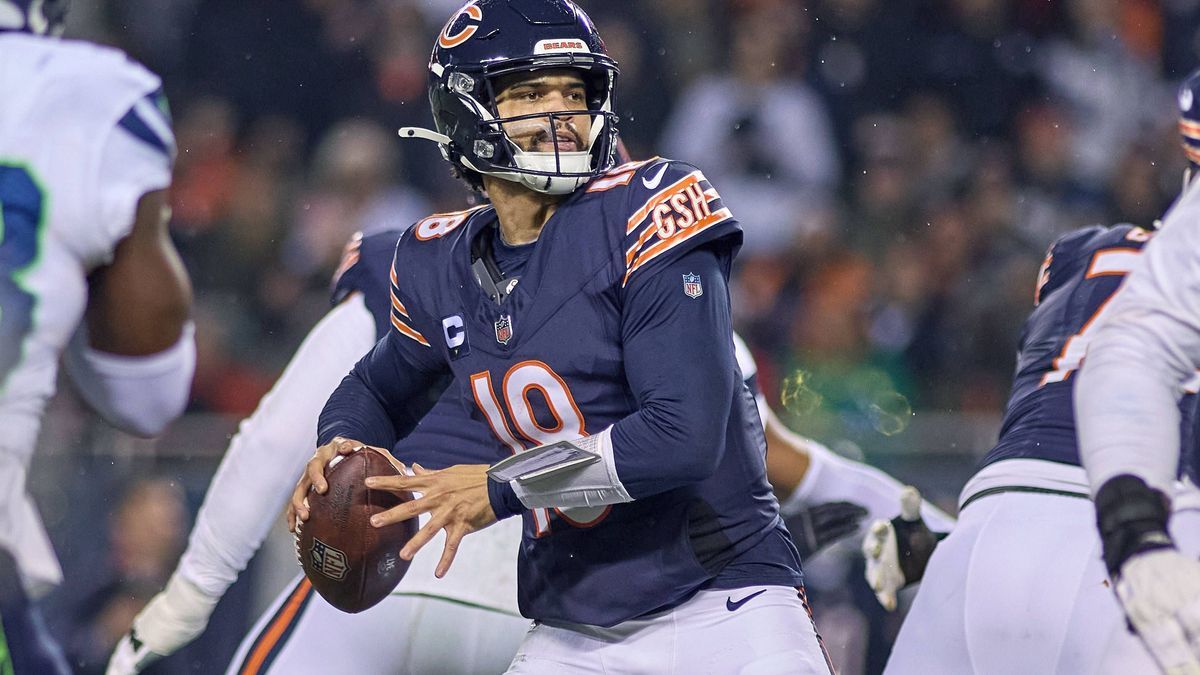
[
  {"x": 1158, "y": 587},
  {"x": 172, "y": 619},
  {"x": 1160, "y": 591},
  {"x": 898, "y": 550}
]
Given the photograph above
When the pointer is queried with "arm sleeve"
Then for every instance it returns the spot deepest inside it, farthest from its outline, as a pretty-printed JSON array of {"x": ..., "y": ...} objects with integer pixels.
[
  {"x": 140, "y": 395},
  {"x": 264, "y": 458},
  {"x": 832, "y": 478},
  {"x": 680, "y": 365},
  {"x": 1144, "y": 349},
  {"x": 376, "y": 403}
]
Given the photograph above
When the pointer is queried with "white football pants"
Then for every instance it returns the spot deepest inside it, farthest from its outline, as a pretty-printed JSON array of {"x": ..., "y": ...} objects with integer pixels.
[
  {"x": 759, "y": 630},
  {"x": 1020, "y": 587},
  {"x": 402, "y": 635}
]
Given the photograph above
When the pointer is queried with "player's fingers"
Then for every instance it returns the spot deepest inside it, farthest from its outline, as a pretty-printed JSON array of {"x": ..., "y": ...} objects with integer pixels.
[
  {"x": 1189, "y": 618},
  {"x": 314, "y": 474},
  {"x": 298, "y": 507},
  {"x": 401, "y": 483},
  {"x": 453, "y": 539},
  {"x": 1166, "y": 641},
  {"x": 401, "y": 513},
  {"x": 423, "y": 536},
  {"x": 872, "y": 546}
]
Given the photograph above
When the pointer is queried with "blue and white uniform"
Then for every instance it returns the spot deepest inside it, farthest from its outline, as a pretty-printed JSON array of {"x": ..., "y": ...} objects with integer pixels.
[
  {"x": 83, "y": 137},
  {"x": 1027, "y": 524},
  {"x": 81, "y": 140}
]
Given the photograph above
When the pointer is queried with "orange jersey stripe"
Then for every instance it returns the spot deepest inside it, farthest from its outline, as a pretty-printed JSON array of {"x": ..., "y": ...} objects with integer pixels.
[
  {"x": 277, "y": 628},
  {"x": 678, "y": 238},
  {"x": 399, "y": 306},
  {"x": 660, "y": 197},
  {"x": 408, "y": 332},
  {"x": 651, "y": 229}
]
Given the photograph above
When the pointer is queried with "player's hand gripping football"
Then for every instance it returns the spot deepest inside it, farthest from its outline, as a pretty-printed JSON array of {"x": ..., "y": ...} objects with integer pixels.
[
  {"x": 314, "y": 476},
  {"x": 173, "y": 618},
  {"x": 898, "y": 550},
  {"x": 455, "y": 498},
  {"x": 1158, "y": 587}
]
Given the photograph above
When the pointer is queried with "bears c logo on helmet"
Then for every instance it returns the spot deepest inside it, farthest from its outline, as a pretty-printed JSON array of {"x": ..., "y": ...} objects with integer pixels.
[{"x": 447, "y": 40}]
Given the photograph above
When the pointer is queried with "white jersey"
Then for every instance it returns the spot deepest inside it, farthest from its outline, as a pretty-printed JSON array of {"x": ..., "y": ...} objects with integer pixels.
[
  {"x": 1143, "y": 351},
  {"x": 81, "y": 141}
]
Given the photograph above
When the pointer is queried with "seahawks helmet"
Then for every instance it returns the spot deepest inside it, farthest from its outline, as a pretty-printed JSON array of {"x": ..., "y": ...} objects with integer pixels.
[
  {"x": 487, "y": 39},
  {"x": 40, "y": 17}
]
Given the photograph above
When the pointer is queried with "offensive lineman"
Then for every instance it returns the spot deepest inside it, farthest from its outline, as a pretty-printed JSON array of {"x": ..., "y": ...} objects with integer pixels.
[
  {"x": 476, "y": 601},
  {"x": 1145, "y": 349},
  {"x": 87, "y": 271},
  {"x": 1020, "y": 585},
  {"x": 597, "y": 316}
]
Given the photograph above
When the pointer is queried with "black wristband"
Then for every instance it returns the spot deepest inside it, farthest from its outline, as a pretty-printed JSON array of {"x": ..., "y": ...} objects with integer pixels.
[{"x": 1132, "y": 518}]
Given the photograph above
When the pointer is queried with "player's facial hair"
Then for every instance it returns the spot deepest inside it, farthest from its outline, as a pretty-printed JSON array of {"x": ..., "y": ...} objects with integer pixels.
[{"x": 530, "y": 133}]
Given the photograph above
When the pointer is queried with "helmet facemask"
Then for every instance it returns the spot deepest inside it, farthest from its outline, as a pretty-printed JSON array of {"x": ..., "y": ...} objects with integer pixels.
[
  {"x": 474, "y": 136},
  {"x": 514, "y": 147}
]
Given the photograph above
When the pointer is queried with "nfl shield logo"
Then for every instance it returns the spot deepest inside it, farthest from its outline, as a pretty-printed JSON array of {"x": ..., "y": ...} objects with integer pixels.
[
  {"x": 328, "y": 560},
  {"x": 504, "y": 329},
  {"x": 691, "y": 286}
]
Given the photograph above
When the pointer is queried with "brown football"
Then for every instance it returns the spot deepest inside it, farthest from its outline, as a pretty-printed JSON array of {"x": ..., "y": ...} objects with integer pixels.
[{"x": 352, "y": 564}]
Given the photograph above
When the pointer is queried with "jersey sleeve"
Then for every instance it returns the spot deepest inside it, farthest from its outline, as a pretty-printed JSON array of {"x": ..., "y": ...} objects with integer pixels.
[
  {"x": 347, "y": 279},
  {"x": 137, "y": 157},
  {"x": 672, "y": 209},
  {"x": 677, "y": 435},
  {"x": 381, "y": 400}
]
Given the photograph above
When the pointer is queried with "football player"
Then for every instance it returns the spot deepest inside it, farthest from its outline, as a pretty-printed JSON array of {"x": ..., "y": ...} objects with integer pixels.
[
  {"x": 584, "y": 315},
  {"x": 477, "y": 598},
  {"x": 87, "y": 272},
  {"x": 1020, "y": 585},
  {"x": 1143, "y": 352}
]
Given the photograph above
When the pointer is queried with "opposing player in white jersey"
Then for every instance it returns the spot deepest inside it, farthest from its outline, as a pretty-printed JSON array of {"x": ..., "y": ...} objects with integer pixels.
[
  {"x": 1146, "y": 347},
  {"x": 86, "y": 271},
  {"x": 476, "y": 601},
  {"x": 1020, "y": 586}
]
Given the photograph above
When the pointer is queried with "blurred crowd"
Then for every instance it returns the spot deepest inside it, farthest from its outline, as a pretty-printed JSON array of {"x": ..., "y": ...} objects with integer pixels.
[{"x": 900, "y": 167}]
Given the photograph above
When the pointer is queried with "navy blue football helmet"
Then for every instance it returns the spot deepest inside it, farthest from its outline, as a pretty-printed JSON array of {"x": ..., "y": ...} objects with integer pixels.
[
  {"x": 487, "y": 39},
  {"x": 40, "y": 17},
  {"x": 1189, "y": 121}
]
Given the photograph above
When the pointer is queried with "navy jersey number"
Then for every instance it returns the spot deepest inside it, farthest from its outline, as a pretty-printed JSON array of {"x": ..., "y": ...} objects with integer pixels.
[{"x": 22, "y": 214}]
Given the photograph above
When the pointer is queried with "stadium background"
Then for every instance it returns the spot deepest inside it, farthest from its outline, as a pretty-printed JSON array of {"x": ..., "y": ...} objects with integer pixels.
[{"x": 900, "y": 167}]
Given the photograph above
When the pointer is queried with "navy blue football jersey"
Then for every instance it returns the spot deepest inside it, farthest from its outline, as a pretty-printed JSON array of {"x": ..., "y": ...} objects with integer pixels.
[
  {"x": 549, "y": 363},
  {"x": 1081, "y": 272},
  {"x": 365, "y": 268}
]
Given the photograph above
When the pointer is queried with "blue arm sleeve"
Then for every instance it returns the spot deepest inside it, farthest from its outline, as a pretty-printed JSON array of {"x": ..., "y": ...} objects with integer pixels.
[
  {"x": 680, "y": 365},
  {"x": 380, "y": 400}
]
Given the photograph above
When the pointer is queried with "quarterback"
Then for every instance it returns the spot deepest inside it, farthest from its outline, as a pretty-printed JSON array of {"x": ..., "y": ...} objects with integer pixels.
[
  {"x": 584, "y": 311},
  {"x": 477, "y": 598}
]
